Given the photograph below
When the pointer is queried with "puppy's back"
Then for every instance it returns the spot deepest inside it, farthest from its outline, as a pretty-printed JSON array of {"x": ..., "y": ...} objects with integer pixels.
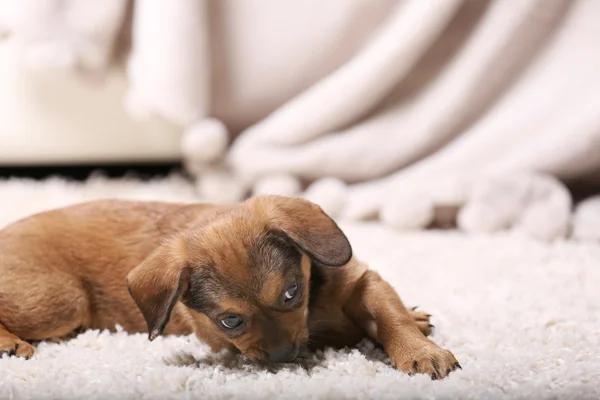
[
  {"x": 68, "y": 266},
  {"x": 97, "y": 233}
]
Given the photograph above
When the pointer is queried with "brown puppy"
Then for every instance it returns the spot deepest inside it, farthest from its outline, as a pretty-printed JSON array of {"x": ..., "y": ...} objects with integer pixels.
[{"x": 266, "y": 277}]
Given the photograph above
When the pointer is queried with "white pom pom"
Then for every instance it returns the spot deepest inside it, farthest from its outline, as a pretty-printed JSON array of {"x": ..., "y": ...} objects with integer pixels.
[
  {"x": 205, "y": 141},
  {"x": 329, "y": 193},
  {"x": 407, "y": 210},
  {"x": 480, "y": 217},
  {"x": 522, "y": 202},
  {"x": 220, "y": 186},
  {"x": 586, "y": 220},
  {"x": 494, "y": 203},
  {"x": 279, "y": 184},
  {"x": 546, "y": 221},
  {"x": 548, "y": 215}
]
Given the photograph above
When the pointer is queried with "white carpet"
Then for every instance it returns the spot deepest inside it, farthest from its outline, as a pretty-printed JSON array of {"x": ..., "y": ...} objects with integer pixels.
[{"x": 522, "y": 317}]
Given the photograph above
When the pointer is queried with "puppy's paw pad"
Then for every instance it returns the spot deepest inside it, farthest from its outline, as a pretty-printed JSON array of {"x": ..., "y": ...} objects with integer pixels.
[
  {"x": 16, "y": 348},
  {"x": 434, "y": 361}
]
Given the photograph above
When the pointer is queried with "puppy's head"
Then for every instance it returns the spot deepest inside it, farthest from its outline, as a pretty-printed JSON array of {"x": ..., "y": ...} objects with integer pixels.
[{"x": 245, "y": 273}]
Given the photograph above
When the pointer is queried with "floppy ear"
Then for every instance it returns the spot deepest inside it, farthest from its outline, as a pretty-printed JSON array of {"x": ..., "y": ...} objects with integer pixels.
[
  {"x": 157, "y": 284},
  {"x": 313, "y": 231}
]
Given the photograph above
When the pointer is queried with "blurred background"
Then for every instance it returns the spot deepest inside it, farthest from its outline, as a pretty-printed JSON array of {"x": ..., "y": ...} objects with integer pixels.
[{"x": 478, "y": 115}]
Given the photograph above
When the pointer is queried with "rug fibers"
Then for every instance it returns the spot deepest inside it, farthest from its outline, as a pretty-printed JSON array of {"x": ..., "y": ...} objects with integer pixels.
[{"x": 522, "y": 317}]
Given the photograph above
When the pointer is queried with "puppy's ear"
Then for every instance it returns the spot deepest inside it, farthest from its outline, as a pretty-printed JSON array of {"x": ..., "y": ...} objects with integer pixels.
[
  {"x": 313, "y": 231},
  {"x": 157, "y": 284}
]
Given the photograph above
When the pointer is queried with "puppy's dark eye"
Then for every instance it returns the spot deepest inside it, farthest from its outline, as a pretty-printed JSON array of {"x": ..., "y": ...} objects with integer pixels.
[
  {"x": 290, "y": 293},
  {"x": 232, "y": 322}
]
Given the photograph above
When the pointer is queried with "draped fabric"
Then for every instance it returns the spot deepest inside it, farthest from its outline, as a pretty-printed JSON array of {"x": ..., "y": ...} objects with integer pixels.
[{"x": 466, "y": 112}]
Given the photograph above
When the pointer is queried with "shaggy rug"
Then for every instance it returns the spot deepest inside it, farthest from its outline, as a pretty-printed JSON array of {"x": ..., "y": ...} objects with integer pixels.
[{"x": 522, "y": 317}]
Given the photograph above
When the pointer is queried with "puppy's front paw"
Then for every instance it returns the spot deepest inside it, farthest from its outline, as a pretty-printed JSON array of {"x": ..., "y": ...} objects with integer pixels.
[
  {"x": 17, "y": 348},
  {"x": 427, "y": 358}
]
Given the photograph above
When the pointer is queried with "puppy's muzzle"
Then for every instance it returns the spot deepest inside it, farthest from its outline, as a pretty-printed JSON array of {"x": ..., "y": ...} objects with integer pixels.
[{"x": 283, "y": 354}]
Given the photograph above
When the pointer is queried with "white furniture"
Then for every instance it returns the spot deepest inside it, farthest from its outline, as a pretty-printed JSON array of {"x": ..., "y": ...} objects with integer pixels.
[{"x": 59, "y": 118}]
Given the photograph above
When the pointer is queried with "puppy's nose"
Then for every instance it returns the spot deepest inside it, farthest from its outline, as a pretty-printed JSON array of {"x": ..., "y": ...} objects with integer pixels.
[{"x": 283, "y": 354}]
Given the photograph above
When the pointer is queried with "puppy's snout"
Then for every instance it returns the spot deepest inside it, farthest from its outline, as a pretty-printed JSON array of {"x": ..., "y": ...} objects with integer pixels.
[{"x": 283, "y": 354}]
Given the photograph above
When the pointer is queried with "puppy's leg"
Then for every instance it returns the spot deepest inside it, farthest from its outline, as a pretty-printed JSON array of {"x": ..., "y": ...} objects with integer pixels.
[
  {"x": 377, "y": 308},
  {"x": 39, "y": 306},
  {"x": 12, "y": 345}
]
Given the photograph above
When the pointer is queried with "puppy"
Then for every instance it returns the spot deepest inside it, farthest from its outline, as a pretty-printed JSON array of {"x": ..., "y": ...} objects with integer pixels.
[{"x": 265, "y": 277}]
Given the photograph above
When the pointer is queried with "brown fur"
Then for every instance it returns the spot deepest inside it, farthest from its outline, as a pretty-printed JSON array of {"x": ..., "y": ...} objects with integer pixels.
[{"x": 187, "y": 267}]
